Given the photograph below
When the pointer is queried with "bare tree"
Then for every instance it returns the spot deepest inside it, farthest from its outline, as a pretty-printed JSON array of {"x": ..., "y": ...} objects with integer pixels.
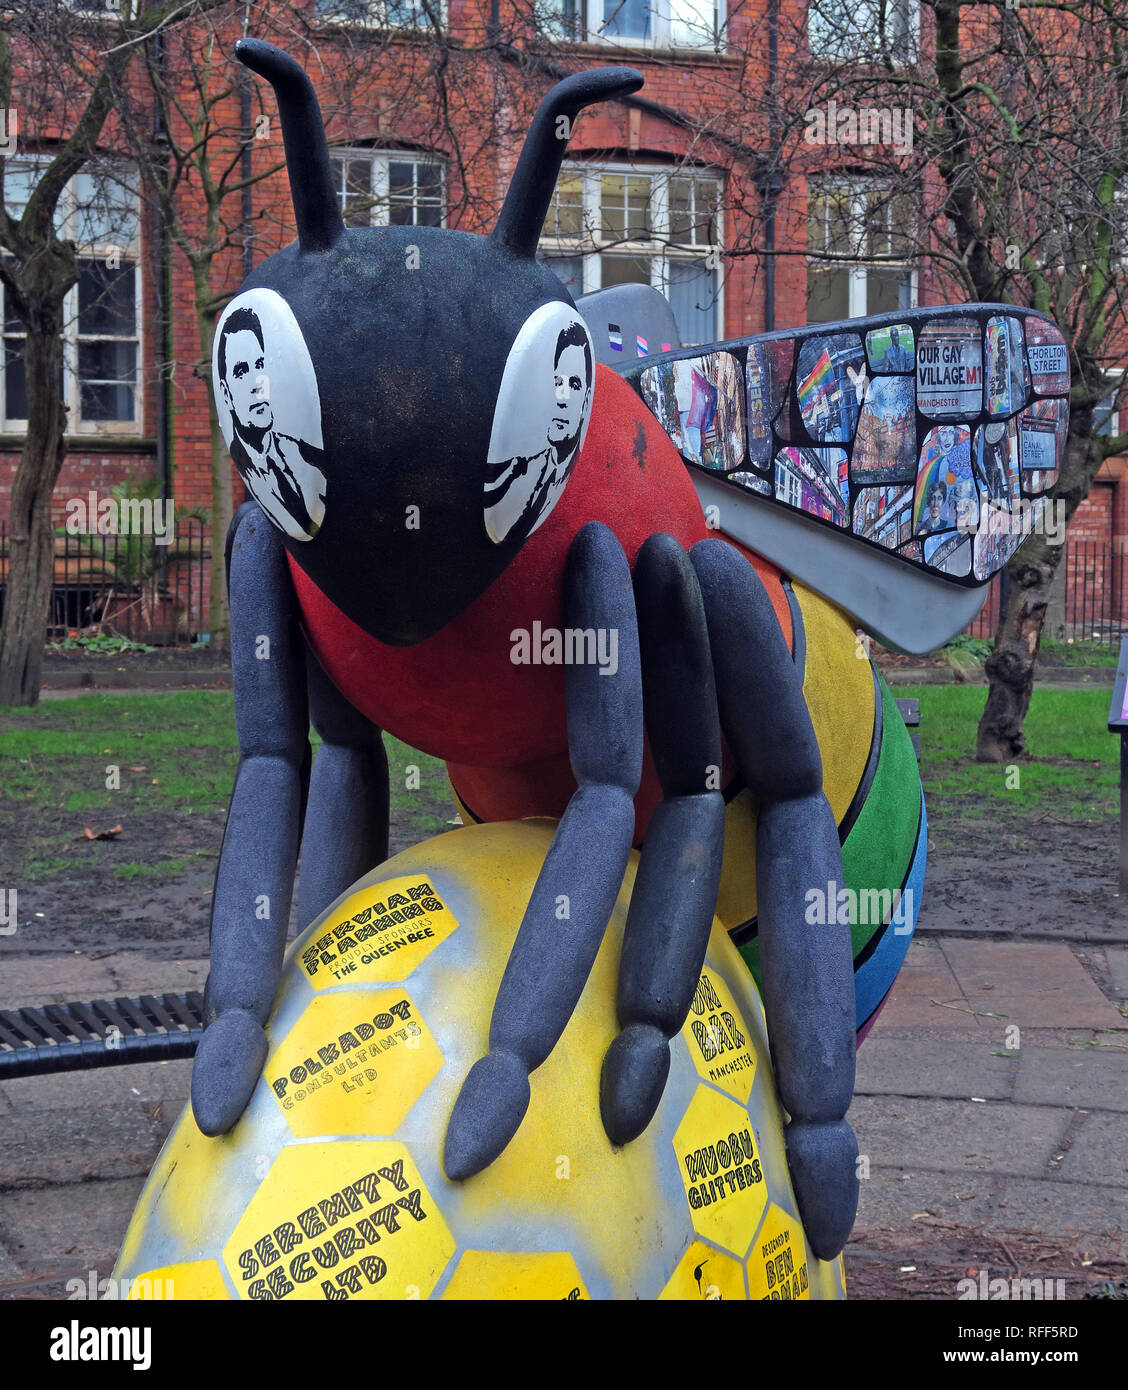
[
  {"x": 1007, "y": 184},
  {"x": 61, "y": 73},
  {"x": 202, "y": 131}
]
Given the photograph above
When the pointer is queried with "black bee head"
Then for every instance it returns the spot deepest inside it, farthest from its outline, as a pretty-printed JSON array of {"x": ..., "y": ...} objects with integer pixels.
[{"x": 406, "y": 403}]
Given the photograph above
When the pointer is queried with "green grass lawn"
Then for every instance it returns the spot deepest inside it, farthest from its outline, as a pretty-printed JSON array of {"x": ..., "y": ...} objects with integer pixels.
[
  {"x": 1070, "y": 770},
  {"x": 174, "y": 754},
  {"x": 176, "y": 757},
  {"x": 1081, "y": 653}
]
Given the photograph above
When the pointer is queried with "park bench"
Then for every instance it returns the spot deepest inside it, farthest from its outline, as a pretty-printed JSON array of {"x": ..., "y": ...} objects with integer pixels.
[
  {"x": 910, "y": 713},
  {"x": 52, "y": 1038},
  {"x": 102, "y": 1033}
]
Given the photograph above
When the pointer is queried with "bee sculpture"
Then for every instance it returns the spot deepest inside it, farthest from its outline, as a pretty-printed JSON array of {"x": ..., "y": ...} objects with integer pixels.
[{"x": 608, "y": 580}]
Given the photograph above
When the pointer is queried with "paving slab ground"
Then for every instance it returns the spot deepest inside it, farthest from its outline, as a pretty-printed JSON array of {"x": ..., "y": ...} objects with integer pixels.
[
  {"x": 992, "y": 1103},
  {"x": 987, "y": 1148}
]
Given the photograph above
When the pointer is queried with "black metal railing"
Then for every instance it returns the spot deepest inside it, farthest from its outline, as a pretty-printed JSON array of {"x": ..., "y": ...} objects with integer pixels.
[
  {"x": 126, "y": 584},
  {"x": 133, "y": 587},
  {"x": 1091, "y": 606},
  {"x": 103, "y": 1033}
]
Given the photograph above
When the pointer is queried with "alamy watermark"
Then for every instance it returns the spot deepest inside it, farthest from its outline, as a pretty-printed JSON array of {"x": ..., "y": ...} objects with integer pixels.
[
  {"x": 121, "y": 516},
  {"x": 1024, "y": 516},
  {"x": 572, "y": 646},
  {"x": 985, "y": 1287},
  {"x": 78, "y": 1343},
  {"x": 863, "y": 907},
  {"x": 864, "y": 125},
  {"x": 112, "y": 1290}
]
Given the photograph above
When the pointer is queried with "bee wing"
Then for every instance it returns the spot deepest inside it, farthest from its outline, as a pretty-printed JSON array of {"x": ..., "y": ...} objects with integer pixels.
[{"x": 891, "y": 463}]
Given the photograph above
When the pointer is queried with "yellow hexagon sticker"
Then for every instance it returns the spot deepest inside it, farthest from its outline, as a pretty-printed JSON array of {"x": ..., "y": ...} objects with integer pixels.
[
  {"x": 197, "y": 1279},
  {"x": 379, "y": 934},
  {"x": 337, "y": 1221},
  {"x": 491, "y": 1275},
  {"x": 718, "y": 1040},
  {"x": 777, "y": 1263},
  {"x": 720, "y": 1170},
  {"x": 354, "y": 1063},
  {"x": 706, "y": 1275}
]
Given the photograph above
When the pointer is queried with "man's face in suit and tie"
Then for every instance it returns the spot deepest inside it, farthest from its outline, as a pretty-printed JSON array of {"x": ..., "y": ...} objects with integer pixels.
[
  {"x": 571, "y": 389},
  {"x": 245, "y": 386}
]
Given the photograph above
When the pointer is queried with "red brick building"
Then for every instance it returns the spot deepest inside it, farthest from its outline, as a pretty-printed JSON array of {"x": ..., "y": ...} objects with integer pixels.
[{"x": 665, "y": 188}]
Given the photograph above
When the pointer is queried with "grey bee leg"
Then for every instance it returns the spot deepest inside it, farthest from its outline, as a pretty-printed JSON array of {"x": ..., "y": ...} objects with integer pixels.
[
  {"x": 808, "y": 970},
  {"x": 575, "y": 892},
  {"x": 345, "y": 829},
  {"x": 255, "y": 879},
  {"x": 675, "y": 891}
]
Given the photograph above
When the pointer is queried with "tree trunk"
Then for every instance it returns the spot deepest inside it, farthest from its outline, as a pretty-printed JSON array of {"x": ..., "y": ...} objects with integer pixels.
[
  {"x": 1010, "y": 667},
  {"x": 219, "y": 618},
  {"x": 31, "y": 558}
]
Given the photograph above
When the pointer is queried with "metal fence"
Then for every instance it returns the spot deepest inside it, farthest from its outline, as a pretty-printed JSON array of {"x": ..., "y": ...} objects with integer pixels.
[
  {"x": 126, "y": 584},
  {"x": 159, "y": 594},
  {"x": 1089, "y": 604}
]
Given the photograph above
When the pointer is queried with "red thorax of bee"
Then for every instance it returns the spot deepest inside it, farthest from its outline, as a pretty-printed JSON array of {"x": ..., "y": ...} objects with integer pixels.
[{"x": 459, "y": 695}]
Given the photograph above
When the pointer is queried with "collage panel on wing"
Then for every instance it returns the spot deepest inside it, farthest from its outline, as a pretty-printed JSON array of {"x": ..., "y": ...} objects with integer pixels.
[
  {"x": 885, "y": 445},
  {"x": 700, "y": 402},
  {"x": 1001, "y": 531},
  {"x": 997, "y": 462},
  {"x": 891, "y": 349},
  {"x": 1042, "y": 429},
  {"x": 949, "y": 369},
  {"x": 1048, "y": 355},
  {"x": 657, "y": 385},
  {"x": 884, "y": 515},
  {"x": 752, "y": 482},
  {"x": 830, "y": 382},
  {"x": 1007, "y": 376},
  {"x": 950, "y": 554},
  {"x": 767, "y": 375},
  {"x": 945, "y": 495},
  {"x": 815, "y": 481}
]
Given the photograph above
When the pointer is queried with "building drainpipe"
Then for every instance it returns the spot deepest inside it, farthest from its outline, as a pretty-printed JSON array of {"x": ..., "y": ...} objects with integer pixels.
[
  {"x": 162, "y": 287},
  {"x": 245, "y": 170},
  {"x": 162, "y": 300},
  {"x": 769, "y": 188}
]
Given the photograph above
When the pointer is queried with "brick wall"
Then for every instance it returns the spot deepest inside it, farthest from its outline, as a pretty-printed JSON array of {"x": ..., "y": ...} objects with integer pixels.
[{"x": 382, "y": 94}]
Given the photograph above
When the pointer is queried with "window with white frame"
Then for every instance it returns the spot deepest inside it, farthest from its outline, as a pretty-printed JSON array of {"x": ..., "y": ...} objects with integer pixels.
[
  {"x": 1106, "y": 416},
  {"x": 618, "y": 224},
  {"x": 100, "y": 212},
  {"x": 859, "y": 251},
  {"x": 651, "y": 23},
  {"x": 863, "y": 30},
  {"x": 380, "y": 14},
  {"x": 380, "y": 189}
]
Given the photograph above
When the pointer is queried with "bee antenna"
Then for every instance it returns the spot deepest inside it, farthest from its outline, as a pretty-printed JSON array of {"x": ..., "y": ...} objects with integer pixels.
[
  {"x": 530, "y": 191},
  {"x": 312, "y": 193}
]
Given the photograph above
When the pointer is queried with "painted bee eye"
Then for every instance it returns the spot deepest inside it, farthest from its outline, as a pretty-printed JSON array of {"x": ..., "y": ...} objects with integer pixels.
[
  {"x": 540, "y": 420},
  {"x": 270, "y": 411}
]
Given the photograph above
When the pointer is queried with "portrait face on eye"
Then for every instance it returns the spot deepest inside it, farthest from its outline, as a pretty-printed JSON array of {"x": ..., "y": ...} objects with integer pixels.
[
  {"x": 244, "y": 383},
  {"x": 571, "y": 389},
  {"x": 269, "y": 410},
  {"x": 541, "y": 416}
]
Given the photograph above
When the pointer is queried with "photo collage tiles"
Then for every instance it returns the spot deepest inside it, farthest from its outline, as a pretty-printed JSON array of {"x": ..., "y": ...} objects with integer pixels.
[{"x": 932, "y": 436}]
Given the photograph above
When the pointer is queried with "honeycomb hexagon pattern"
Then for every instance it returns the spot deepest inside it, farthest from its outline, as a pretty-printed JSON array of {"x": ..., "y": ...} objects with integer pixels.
[
  {"x": 371, "y": 1057},
  {"x": 495, "y": 1275},
  {"x": 331, "y": 1185}
]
